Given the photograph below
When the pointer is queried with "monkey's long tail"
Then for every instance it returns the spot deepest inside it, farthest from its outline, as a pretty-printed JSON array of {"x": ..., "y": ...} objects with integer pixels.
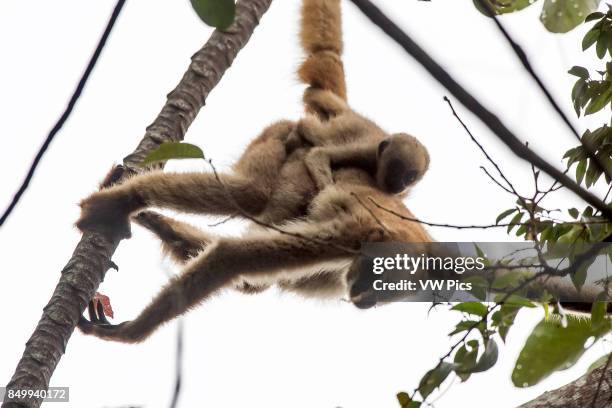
[{"x": 321, "y": 38}]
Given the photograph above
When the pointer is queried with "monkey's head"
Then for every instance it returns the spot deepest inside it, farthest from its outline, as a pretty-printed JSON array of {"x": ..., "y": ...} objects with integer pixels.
[{"x": 401, "y": 161}]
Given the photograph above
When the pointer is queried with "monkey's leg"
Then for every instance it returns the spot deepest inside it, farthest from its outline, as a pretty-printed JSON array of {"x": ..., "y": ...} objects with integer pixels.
[
  {"x": 318, "y": 163},
  {"x": 200, "y": 193},
  {"x": 224, "y": 262},
  {"x": 180, "y": 240},
  {"x": 326, "y": 284}
]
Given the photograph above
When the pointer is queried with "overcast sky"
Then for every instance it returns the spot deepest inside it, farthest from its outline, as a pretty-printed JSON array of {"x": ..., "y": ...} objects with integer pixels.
[{"x": 272, "y": 350}]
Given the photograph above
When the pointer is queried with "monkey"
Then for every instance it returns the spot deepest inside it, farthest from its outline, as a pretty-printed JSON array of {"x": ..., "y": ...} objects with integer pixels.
[
  {"x": 396, "y": 161},
  {"x": 301, "y": 237}
]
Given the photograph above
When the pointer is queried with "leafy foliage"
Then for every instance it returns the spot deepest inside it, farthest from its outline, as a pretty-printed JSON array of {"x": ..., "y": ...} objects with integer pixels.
[
  {"x": 558, "y": 16},
  {"x": 559, "y": 235}
]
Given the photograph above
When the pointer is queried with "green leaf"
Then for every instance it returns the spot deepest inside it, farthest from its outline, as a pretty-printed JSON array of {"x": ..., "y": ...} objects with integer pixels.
[
  {"x": 504, "y": 215},
  {"x": 580, "y": 274},
  {"x": 514, "y": 300},
  {"x": 593, "y": 173},
  {"x": 590, "y": 38},
  {"x": 507, "y": 281},
  {"x": 215, "y": 13},
  {"x": 433, "y": 378},
  {"x": 602, "y": 46},
  {"x": 560, "y": 16},
  {"x": 465, "y": 360},
  {"x": 502, "y": 7},
  {"x": 594, "y": 16},
  {"x": 505, "y": 319},
  {"x": 474, "y": 308},
  {"x": 580, "y": 170},
  {"x": 465, "y": 325},
  {"x": 599, "y": 102},
  {"x": 479, "y": 286},
  {"x": 574, "y": 213},
  {"x": 551, "y": 347},
  {"x": 173, "y": 150},
  {"x": 515, "y": 220},
  {"x": 488, "y": 358},
  {"x": 405, "y": 402},
  {"x": 579, "y": 71}
]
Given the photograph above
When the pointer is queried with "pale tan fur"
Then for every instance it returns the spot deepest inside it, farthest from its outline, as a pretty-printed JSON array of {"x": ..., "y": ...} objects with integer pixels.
[
  {"x": 271, "y": 183},
  {"x": 347, "y": 139}
]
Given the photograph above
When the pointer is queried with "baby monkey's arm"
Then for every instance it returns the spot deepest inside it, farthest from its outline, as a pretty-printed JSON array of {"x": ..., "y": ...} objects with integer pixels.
[{"x": 321, "y": 160}]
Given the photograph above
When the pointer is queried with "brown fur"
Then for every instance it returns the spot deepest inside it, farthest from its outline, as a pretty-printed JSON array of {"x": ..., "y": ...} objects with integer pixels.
[
  {"x": 321, "y": 38},
  {"x": 271, "y": 183},
  {"x": 347, "y": 139}
]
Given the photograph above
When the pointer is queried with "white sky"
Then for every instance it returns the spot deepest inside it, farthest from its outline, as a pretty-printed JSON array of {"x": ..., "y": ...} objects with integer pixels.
[{"x": 268, "y": 350}]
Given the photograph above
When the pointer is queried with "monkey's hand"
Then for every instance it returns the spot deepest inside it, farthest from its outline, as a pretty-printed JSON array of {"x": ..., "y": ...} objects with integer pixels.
[
  {"x": 319, "y": 166},
  {"x": 99, "y": 326},
  {"x": 360, "y": 279},
  {"x": 108, "y": 211}
]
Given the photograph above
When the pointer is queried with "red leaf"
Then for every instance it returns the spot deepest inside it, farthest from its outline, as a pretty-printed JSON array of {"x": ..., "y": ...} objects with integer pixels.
[{"x": 106, "y": 304}]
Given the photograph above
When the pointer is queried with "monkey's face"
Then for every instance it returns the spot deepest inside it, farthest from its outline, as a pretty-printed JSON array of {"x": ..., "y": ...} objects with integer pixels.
[{"x": 401, "y": 162}]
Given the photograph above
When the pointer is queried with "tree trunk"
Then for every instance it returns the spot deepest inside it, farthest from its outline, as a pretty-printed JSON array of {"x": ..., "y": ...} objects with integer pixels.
[
  {"x": 580, "y": 393},
  {"x": 86, "y": 268}
]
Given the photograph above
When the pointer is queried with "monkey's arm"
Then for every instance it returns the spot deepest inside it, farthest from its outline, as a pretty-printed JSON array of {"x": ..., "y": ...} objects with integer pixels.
[
  {"x": 179, "y": 240},
  {"x": 321, "y": 160},
  {"x": 226, "y": 260},
  {"x": 199, "y": 193}
]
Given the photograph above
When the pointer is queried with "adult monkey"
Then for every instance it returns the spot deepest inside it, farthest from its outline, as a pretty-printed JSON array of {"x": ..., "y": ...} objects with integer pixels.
[{"x": 323, "y": 228}]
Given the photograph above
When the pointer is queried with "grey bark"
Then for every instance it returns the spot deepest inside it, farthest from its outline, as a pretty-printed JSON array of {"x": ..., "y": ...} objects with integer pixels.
[
  {"x": 86, "y": 268},
  {"x": 580, "y": 393}
]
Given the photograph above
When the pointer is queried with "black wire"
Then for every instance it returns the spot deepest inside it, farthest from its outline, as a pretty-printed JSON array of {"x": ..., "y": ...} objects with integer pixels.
[
  {"x": 179, "y": 364},
  {"x": 71, "y": 103}
]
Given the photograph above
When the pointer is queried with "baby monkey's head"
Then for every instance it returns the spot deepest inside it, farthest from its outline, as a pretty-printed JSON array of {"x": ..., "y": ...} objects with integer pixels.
[{"x": 401, "y": 161}]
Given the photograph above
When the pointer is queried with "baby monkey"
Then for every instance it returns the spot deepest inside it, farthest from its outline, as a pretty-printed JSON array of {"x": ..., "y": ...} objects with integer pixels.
[{"x": 346, "y": 139}]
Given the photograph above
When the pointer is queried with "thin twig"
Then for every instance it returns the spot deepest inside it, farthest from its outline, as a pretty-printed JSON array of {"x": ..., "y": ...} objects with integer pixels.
[
  {"x": 522, "y": 56},
  {"x": 69, "y": 108},
  {"x": 495, "y": 180},
  {"x": 488, "y": 118},
  {"x": 475, "y": 226},
  {"x": 369, "y": 210},
  {"x": 223, "y": 221},
  {"x": 482, "y": 149}
]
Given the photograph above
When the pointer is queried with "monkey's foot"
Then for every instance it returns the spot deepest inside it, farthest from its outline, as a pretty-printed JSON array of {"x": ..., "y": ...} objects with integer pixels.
[
  {"x": 360, "y": 281},
  {"x": 98, "y": 325},
  {"x": 363, "y": 299}
]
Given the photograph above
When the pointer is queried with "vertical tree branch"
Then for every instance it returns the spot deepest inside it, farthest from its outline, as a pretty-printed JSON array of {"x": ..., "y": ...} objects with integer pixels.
[{"x": 87, "y": 266}]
